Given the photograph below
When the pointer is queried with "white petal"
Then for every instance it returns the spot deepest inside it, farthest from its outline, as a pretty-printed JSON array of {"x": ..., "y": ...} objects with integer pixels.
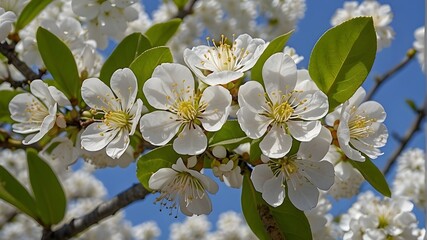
[
  {"x": 200, "y": 206},
  {"x": 160, "y": 178},
  {"x": 124, "y": 84},
  {"x": 280, "y": 75},
  {"x": 191, "y": 141},
  {"x": 276, "y": 143},
  {"x": 304, "y": 130},
  {"x": 315, "y": 105},
  {"x": 135, "y": 113},
  {"x": 47, "y": 124},
  {"x": 234, "y": 178},
  {"x": 192, "y": 59},
  {"x": 252, "y": 96},
  {"x": 358, "y": 97},
  {"x": 304, "y": 81},
  {"x": 344, "y": 170},
  {"x": 273, "y": 192},
  {"x": 305, "y": 196},
  {"x": 260, "y": 174},
  {"x": 208, "y": 184},
  {"x": 343, "y": 133},
  {"x": 96, "y": 136},
  {"x": 333, "y": 116},
  {"x": 18, "y": 106},
  {"x": 369, "y": 150},
  {"x": 119, "y": 144},
  {"x": 97, "y": 95},
  {"x": 59, "y": 97},
  {"x": 317, "y": 148},
  {"x": 371, "y": 110},
  {"x": 223, "y": 77},
  {"x": 321, "y": 173},
  {"x": 379, "y": 136},
  {"x": 216, "y": 113},
  {"x": 159, "y": 127},
  {"x": 252, "y": 123},
  {"x": 41, "y": 91},
  {"x": 25, "y": 128}
]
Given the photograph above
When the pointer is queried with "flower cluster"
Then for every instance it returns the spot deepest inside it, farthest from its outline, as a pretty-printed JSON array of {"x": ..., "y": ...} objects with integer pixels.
[{"x": 419, "y": 45}]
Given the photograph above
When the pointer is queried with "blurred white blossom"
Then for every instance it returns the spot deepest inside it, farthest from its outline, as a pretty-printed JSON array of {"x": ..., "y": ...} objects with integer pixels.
[{"x": 419, "y": 45}]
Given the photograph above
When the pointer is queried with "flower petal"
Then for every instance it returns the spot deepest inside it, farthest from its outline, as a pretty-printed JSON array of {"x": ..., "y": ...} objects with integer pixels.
[
  {"x": 124, "y": 84},
  {"x": 321, "y": 173},
  {"x": 358, "y": 97},
  {"x": 160, "y": 178},
  {"x": 372, "y": 110},
  {"x": 273, "y": 192},
  {"x": 305, "y": 196},
  {"x": 304, "y": 130},
  {"x": 201, "y": 205},
  {"x": 223, "y": 77},
  {"x": 218, "y": 100},
  {"x": 19, "y": 104},
  {"x": 252, "y": 96},
  {"x": 280, "y": 76},
  {"x": 159, "y": 127},
  {"x": 260, "y": 174},
  {"x": 41, "y": 91},
  {"x": 314, "y": 105},
  {"x": 59, "y": 97},
  {"x": 191, "y": 141},
  {"x": 369, "y": 150},
  {"x": 97, "y": 95},
  {"x": 252, "y": 123},
  {"x": 47, "y": 124},
  {"x": 317, "y": 148},
  {"x": 96, "y": 136},
  {"x": 135, "y": 113},
  {"x": 276, "y": 143},
  {"x": 119, "y": 144}
]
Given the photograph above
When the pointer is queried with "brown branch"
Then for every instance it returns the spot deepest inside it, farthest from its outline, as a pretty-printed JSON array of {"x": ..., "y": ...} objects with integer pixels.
[
  {"x": 270, "y": 224},
  {"x": 182, "y": 13},
  {"x": 416, "y": 124},
  {"x": 9, "y": 52},
  {"x": 379, "y": 80},
  {"x": 77, "y": 225}
]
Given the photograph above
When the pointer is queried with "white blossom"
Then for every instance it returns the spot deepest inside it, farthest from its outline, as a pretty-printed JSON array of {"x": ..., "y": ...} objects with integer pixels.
[
  {"x": 36, "y": 113},
  {"x": 146, "y": 231},
  {"x": 182, "y": 110},
  {"x": 302, "y": 174},
  {"x": 359, "y": 127},
  {"x": 223, "y": 63},
  {"x": 121, "y": 112},
  {"x": 6, "y": 21},
  {"x": 184, "y": 188},
  {"x": 199, "y": 226},
  {"x": 231, "y": 226},
  {"x": 286, "y": 110},
  {"x": 419, "y": 45},
  {"x": 60, "y": 149},
  {"x": 15, "y": 6}
]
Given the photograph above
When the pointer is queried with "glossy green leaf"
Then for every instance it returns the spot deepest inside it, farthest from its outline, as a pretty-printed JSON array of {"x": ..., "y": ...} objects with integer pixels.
[
  {"x": 230, "y": 133},
  {"x": 30, "y": 11},
  {"x": 255, "y": 151},
  {"x": 373, "y": 175},
  {"x": 48, "y": 192},
  {"x": 180, "y": 4},
  {"x": 149, "y": 163},
  {"x": 144, "y": 65},
  {"x": 12, "y": 191},
  {"x": 124, "y": 54},
  {"x": 5, "y": 98},
  {"x": 160, "y": 33},
  {"x": 296, "y": 228},
  {"x": 275, "y": 46},
  {"x": 59, "y": 62},
  {"x": 342, "y": 59},
  {"x": 250, "y": 200}
]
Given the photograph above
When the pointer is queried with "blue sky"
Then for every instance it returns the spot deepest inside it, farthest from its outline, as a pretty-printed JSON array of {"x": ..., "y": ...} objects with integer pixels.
[{"x": 407, "y": 84}]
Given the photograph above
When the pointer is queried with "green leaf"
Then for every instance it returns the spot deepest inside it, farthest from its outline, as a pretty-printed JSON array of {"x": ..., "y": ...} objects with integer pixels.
[
  {"x": 180, "y": 4},
  {"x": 373, "y": 175},
  {"x": 275, "y": 46},
  {"x": 412, "y": 105},
  {"x": 124, "y": 54},
  {"x": 144, "y": 65},
  {"x": 255, "y": 151},
  {"x": 59, "y": 62},
  {"x": 149, "y": 163},
  {"x": 342, "y": 59},
  {"x": 230, "y": 133},
  {"x": 30, "y": 11},
  {"x": 14, "y": 193},
  {"x": 48, "y": 192},
  {"x": 298, "y": 227},
  {"x": 5, "y": 98},
  {"x": 250, "y": 200},
  {"x": 160, "y": 33}
]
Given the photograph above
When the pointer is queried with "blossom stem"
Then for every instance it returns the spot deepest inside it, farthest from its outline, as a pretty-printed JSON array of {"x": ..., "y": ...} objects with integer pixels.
[
  {"x": 77, "y": 225},
  {"x": 379, "y": 80},
  {"x": 182, "y": 13}
]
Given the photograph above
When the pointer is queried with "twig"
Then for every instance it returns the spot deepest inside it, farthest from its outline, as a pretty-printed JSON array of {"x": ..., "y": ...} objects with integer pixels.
[
  {"x": 416, "y": 124},
  {"x": 270, "y": 224},
  {"x": 379, "y": 80},
  {"x": 9, "y": 52},
  {"x": 77, "y": 225},
  {"x": 8, "y": 217},
  {"x": 182, "y": 13}
]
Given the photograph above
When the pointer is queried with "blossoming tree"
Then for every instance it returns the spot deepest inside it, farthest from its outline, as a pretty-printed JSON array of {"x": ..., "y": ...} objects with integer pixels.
[{"x": 237, "y": 106}]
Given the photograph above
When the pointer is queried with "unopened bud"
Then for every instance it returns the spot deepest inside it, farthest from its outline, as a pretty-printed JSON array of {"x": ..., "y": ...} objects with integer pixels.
[
  {"x": 60, "y": 121},
  {"x": 219, "y": 152}
]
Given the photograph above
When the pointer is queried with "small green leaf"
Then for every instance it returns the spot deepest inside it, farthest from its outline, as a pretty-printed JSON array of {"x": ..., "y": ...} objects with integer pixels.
[
  {"x": 230, "y": 133},
  {"x": 298, "y": 227},
  {"x": 149, "y": 163},
  {"x": 59, "y": 62},
  {"x": 342, "y": 59},
  {"x": 275, "y": 46},
  {"x": 160, "y": 33},
  {"x": 180, "y": 4},
  {"x": 373, "y": 175},
  {"x": 144, "y": 65},
  {"x": 123, "y": 55},
  {"x": 30, "y": 11},
  {"x": 48, "y": 192},
  {"x": 255, "y": 151},
  {"x": 5, "y": 98},
  {"x": 412, "y": 105},
  {"x": 14, "y": 193},
  {"x": 250, "y": 200}
]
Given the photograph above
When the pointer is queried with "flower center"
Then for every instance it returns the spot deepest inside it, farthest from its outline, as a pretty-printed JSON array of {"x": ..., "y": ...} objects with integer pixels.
[
  {"x": 284, "y": 165},
  {"x": 187, "y": 111},
  {"x": 37, "y": 111},
  {"x": 117, "y": 119},
  {"x": 281, "y": 112},
  {"x": 360, "y": 126}
]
